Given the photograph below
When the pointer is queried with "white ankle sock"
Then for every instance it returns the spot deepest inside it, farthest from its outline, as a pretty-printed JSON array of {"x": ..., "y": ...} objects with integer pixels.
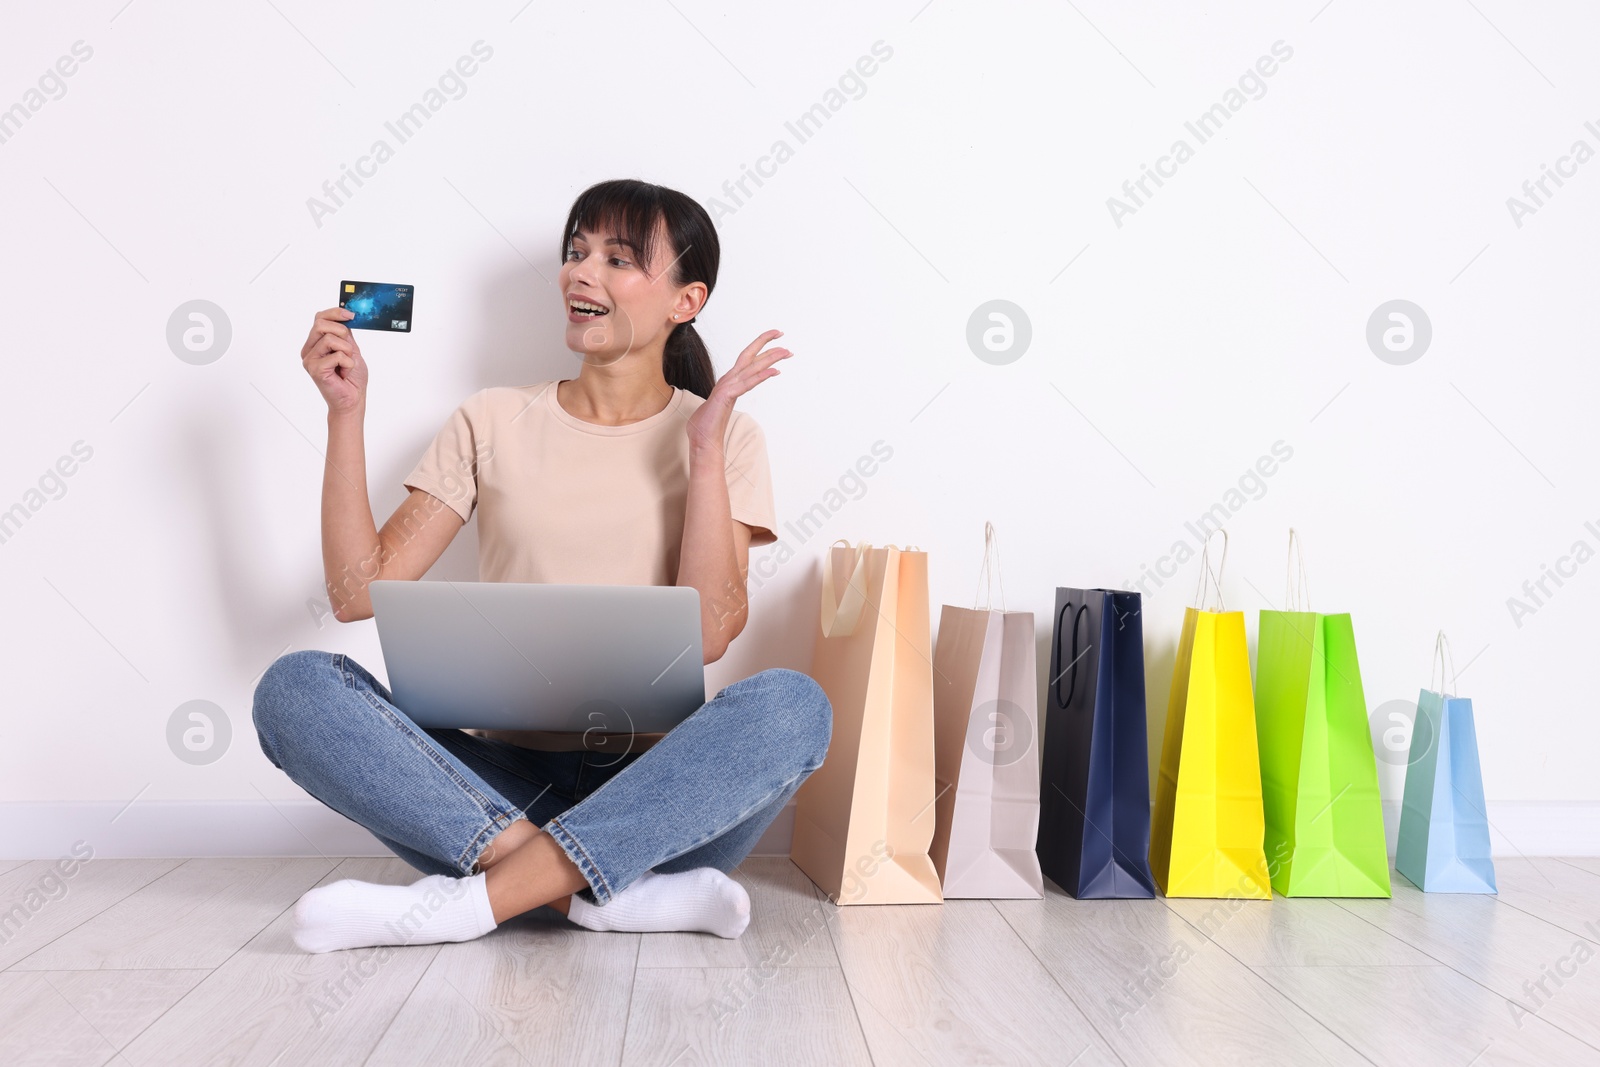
[
  {"x": 351, "y": 914},
  {"x": 703, "y": 899}
]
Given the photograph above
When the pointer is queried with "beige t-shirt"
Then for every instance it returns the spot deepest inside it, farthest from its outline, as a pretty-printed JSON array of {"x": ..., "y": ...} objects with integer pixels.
[{"x": 561, "y": 500}]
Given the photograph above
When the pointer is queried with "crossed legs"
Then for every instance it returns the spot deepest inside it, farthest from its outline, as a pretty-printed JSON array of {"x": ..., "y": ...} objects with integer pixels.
[{"x": 328, "y": 723}]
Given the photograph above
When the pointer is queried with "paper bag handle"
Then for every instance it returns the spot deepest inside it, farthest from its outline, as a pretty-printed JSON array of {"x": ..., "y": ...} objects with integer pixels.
[
  {"x": 1296, "y": 595},
  {"x": 1444, "y": 661},
  {"x": 1206, "y": 572},
  {"x": 1077, "y": 620},
  {"x": 839, "y": 617},
  {"x": 986, "y": 573}
]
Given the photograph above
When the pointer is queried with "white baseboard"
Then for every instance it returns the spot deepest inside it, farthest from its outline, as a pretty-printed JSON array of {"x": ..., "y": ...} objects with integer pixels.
[
  {"x": 184, "y": 828},
  {"x": 1529, "y": 827}
]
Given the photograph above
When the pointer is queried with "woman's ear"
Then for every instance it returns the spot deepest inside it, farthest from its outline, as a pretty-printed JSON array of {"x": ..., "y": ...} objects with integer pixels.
[{"x": 690, "y": 300}]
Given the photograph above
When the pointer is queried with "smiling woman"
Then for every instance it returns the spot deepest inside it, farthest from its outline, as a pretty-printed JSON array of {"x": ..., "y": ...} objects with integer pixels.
[
  {"x": 636, "y": 472},
  {"x": 616, "y": 228}
]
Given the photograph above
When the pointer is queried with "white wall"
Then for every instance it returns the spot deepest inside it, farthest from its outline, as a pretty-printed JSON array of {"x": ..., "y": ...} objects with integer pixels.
[{"x": 1168, "y": 352}]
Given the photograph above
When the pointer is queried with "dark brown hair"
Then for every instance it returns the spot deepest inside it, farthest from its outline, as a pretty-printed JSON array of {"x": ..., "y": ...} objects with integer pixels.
[{"x": 632, "y": 210}]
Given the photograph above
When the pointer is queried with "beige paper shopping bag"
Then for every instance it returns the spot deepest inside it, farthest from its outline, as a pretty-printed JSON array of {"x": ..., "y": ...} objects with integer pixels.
[
  {"x": 865, "y": 818},
  {"x": 986, "y": 745}
]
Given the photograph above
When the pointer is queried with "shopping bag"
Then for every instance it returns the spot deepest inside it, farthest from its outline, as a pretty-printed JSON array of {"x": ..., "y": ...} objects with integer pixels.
[
  {"x": 1094, "y": 796},
  {"x": 1444, "y": 823},
  {"x": 1207, "y": 828},
  {"x": 864, "y": 819},
  {"x": 1319, "y": 776},
  {"x": 986, "y": 753}
]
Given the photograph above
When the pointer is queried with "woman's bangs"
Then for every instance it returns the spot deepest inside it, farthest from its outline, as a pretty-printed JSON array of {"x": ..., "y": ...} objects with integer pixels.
[{"x": 628, "y": 211}]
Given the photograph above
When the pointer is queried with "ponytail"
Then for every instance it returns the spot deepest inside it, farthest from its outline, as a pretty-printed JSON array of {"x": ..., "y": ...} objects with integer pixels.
[{"x": 686, "y": 363}]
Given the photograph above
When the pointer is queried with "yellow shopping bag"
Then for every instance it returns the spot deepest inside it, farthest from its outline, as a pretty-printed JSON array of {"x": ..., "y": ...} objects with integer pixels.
[{"x": 1207, "y": 829}]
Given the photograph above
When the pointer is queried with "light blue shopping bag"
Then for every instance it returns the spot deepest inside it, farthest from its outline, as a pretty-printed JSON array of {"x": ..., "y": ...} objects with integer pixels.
[{"x": 1444, "y": 825}]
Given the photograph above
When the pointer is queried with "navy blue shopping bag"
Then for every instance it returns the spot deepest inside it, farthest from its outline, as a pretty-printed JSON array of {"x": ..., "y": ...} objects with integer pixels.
[{"x": 1094, "y": 794}]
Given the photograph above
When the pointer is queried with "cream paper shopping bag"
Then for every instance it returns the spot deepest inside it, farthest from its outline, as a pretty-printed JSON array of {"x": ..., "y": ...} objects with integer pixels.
[
  {"x": 865, "y": 818},
  {"x": 986, "y": 733}
]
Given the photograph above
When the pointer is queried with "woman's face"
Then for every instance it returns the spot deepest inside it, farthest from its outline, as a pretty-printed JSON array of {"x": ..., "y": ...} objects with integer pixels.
[{"x": 638, "y": 304}]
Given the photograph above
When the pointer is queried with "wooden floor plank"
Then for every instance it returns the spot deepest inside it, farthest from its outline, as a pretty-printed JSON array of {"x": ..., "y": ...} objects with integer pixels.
[
  {"x": 1555, "y": 891},
  {"x": 1160, "y": 993},
  {"x": 1501, "y": 948},
  {"x": 194, "y": 916},
  {"x": 1407, "y": 1016},
  {"x": 42, "y": 1028},
  {"x": 270, "y": 1003},
  {"x": 120, "y": 1005},
  {"x": 157, "y": 962},
  {"x": 39, "y": 905},
  {"x": 1299, "y": 932},
  {"x": 788, "y": 916},
  {"x": 737, "y": 1015},
  {"x": 953, "y": 983},
  {"x": 536, "y": 990}
]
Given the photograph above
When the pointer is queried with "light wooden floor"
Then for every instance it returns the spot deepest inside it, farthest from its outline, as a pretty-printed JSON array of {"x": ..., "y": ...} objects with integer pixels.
[{"x": 176, "y": 962}]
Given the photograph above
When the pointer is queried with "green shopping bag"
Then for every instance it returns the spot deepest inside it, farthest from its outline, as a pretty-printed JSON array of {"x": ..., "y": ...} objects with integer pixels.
[{"x": 1319, "y": 777}]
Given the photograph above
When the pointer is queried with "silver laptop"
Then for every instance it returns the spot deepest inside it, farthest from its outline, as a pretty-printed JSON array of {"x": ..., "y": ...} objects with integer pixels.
[{"x": 535, "y": 656}]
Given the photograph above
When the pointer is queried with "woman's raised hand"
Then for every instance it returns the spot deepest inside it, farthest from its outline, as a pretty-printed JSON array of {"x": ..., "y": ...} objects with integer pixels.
[
  {"x": 333, "y": 359},
  {"x": 751, "y": 369}
]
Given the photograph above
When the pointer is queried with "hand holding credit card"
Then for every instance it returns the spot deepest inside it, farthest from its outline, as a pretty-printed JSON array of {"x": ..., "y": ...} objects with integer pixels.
[{"x": 377, "y": 305}]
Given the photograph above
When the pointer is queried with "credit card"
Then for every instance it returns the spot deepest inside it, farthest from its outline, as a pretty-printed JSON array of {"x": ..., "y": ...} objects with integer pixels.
[{"x": 378, "y": 305}]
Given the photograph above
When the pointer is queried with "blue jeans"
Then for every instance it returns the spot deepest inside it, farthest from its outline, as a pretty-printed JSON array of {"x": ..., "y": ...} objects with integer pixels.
[{"x": 701, "y": 796}]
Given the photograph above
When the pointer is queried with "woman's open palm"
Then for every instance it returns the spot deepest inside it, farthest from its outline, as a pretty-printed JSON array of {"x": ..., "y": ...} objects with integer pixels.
[{"x": 753, "y": 367}]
